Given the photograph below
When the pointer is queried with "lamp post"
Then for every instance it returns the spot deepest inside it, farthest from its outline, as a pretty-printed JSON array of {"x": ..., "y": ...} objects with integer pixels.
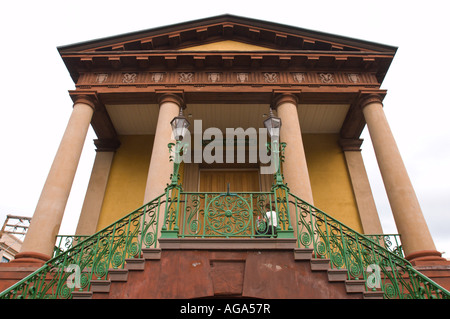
[
  {"x": 279, "y": 188},
  {"x": 180, "y": 126},
  {"x": 173, "y": 190},
  {"x": 273, "y": 126}
]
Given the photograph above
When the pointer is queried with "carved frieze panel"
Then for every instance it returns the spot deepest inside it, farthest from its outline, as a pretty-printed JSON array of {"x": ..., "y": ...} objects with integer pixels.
[
  {"x": 223, "y": 78},
  {"x": 214, "y": 77},
  {"x": 157, "y": 77},
  {"x": 129, "y": 77},
  {"x": 101, "y": 77},
  {"x": 185, "y": 77},
  {"x": 271, "y": 77},
  {"x": 326, "y": 77}
]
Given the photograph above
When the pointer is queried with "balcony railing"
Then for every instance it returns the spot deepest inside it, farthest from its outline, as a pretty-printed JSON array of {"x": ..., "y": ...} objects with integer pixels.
[
  {"x": 225, "y": 215},
  {"x": 245, "y": 214}
]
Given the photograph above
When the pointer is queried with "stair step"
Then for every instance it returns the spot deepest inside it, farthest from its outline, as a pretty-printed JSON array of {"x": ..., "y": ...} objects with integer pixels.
[
  {"x": 373, "y": 294},
  {"x": 355, "y": 286},
  {"x": 303, "y": 253},
  {"x": 100, "y": 285},
  {"x": 151, "y": 253},
  {"x": 118, "y": 274},
  {"x": 81, "y": 294},
  {"x": 320, "y": 264},
  {"x": 337, "y": 274},
  {"x": 135, "y": 264}
]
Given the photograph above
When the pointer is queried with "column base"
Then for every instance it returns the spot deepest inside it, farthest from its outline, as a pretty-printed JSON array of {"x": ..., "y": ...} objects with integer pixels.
[
  {"x": 433, "y": 265},
  {"x": 425, "y": 256},
  {"x": 31, "y": 257}
]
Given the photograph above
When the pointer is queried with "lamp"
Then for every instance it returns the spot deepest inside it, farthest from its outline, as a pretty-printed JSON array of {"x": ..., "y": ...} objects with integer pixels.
[
  {"x": 273, "y": 125},
  {"x": 179, "y": 126}
]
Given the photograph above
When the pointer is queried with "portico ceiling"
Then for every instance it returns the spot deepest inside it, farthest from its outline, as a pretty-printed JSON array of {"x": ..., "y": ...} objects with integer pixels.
[{"x": 141, "y": 119}]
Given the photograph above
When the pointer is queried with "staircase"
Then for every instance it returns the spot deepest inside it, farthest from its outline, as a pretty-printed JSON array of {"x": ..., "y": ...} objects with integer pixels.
[
  {"x": 224, "y": 254},
  {"x": 229, "y": 272}
]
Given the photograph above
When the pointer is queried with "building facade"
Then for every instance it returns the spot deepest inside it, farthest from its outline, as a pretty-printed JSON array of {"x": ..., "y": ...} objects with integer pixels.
[{"x": 226, "y": 75}]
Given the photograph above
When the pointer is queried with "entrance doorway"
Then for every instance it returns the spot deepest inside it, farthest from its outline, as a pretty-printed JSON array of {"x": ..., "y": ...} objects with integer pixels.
[{"x": 240, "y": 180}]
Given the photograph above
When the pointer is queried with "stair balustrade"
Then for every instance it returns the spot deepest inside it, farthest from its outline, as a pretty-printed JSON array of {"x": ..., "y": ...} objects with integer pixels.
[{"x": 225, "y": 215}]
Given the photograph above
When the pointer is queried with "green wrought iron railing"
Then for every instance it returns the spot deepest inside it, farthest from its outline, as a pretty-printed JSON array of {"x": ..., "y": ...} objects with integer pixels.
[
  {"x": 214, "y": 214},
  {"x": 362, "y": 257},
  {"x": 90, "y": 259},
  {"x": 225, "y": 215},
  {"x": 391, "y": 242},
  {"x": 65, "y": 242}
]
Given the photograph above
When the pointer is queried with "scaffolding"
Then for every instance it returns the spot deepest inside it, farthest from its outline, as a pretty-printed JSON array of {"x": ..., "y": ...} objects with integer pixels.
[{"x": 12, "y": 234}]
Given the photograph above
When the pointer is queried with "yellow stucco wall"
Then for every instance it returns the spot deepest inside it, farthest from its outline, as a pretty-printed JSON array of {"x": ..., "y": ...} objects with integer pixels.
[
  {"x": 330, "y": 180},
  {"x": 127, "y": 179}
]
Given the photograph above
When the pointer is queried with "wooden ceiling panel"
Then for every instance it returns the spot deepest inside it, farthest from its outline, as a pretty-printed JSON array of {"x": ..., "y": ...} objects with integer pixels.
[{"x": 134, "y": 119}]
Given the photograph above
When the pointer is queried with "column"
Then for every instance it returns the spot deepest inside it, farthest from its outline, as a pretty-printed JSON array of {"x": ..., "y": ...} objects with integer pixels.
[
  {"x": 95, "y": 193},
  {"x": 160, "y": 167},
  {"x": 365, "y": 203},
  {"x": 295, "y": 170},
  {"x": 41, "y": 236},
  {"x": 416, "y": 238}
]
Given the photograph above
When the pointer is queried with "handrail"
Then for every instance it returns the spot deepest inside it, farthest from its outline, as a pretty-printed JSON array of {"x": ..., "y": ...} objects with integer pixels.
[
  {"x": 362, "y": 257},
  {"x": 65, "y": 242},
  {"x": 91, "y": 258},
  {"x": 425, "y": 289}
]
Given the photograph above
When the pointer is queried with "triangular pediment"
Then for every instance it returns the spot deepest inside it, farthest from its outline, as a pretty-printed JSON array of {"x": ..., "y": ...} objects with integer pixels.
[
  {"x": 226, "y": 29},
  {"x": 227, "y": 41}
]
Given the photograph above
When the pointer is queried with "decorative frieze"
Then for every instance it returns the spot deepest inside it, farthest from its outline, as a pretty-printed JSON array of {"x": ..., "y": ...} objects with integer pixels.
[
  {"x": 298, "y": 77},
  {"x": 157, "y": 77},
  {"x": 326, "y": 77},
  {"x": 353, "y": 77},
  {"x": 214, "y": 77},
  {"x": 185, "y": 77},
  {"x": 101, "y": 77},
  {"x": 242, "y": 77},
  {"x": 129, "y": 77},
  {"x": 205, "y": 78},
  {"x": 270, "y": 77}
]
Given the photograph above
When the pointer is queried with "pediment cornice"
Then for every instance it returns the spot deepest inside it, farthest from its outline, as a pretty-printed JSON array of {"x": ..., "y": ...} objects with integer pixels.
[
  {"x": 263, "y": 33},
  {"x": 177, "y": 46}
]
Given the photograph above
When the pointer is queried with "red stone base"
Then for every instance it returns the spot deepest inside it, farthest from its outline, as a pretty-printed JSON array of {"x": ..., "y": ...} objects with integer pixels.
[
  {"x": 425, "y": 255},
  {"x": 433, "y": 265},
  {"x": 230, "y": 270},
  {"x": 31, "y": 257},
  {"x": 23, "y": 265}
]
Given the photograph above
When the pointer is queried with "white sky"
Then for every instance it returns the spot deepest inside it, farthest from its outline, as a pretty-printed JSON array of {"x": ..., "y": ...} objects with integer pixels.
[{"x": 35, "y": 105}]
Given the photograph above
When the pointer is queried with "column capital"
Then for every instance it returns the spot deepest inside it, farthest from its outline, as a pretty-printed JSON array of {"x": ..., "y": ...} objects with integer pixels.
[
  {"x": 106, "y": 144},
  {"x": 284, "y": 97},
  {"x": 174, "y": 97},
  {"x": 371, "y": 96},
  {"x": 351, "y": 144},
  {"x": 87, "y": 97}
]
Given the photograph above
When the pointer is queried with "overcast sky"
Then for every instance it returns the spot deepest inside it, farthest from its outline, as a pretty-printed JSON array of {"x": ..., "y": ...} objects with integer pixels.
[{"x": 35, "y": 105}]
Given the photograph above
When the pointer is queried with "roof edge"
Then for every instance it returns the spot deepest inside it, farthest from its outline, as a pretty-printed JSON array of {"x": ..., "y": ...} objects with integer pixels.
[{"x": 233, "y": 19}]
